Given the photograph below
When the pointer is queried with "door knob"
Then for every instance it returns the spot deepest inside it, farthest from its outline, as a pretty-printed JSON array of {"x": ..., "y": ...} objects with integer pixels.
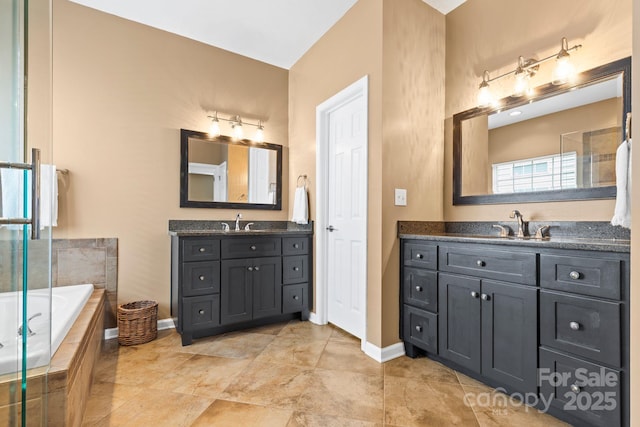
[
  {"x": 575, "y": 326},
  {"x": 250, "y": 268},
  {"x": 485, "y": 297},
  {"x": 256, "y": 268},
  {"x": 332, "y": 228},
  {"x": 574, "y": 275},
  {"x": 475, "y": 294}
]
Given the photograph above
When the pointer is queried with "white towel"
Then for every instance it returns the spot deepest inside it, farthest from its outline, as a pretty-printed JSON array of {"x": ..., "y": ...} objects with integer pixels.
[
  {"x": 300, "y": 207},
  {"x": 622, "y": 212},
  {"x": 12, "y": 182}
]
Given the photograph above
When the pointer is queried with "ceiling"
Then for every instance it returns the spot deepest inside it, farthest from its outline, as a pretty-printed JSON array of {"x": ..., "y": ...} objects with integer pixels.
[{"x": 277, "y": 32}]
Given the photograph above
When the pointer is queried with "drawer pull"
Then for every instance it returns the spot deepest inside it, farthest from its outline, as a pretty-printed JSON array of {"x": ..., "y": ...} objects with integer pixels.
[
  {"x": 256, "y": 268},
  {"x": 252, "y": 247},
  {"x": 200, "y": 311},
  {"x": 574, "y": 275},
  {"x": 485, "y": 297},
  {"x": 475, "y": 294},
  {"x": 480, "y": 263},
  {"x": 574, "y": 325},
  {"x": 202, "y": 249},
  {"x": 296, "y": 297},
  {"x": 296, "y": 246},
  {"x": 574, "y": 388},
  {"x": 250, "y": 268},
  {"x": 419, "y": 256},
  {"x": 296, "y": 268},
  {"x": 419, "y": 288},
  {"x": 419, "y": 328},
  {"x": 201, "y": 278}
]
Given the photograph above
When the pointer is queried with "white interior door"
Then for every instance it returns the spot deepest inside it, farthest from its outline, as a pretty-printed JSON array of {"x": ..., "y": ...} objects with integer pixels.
[{"x": 346, "y": 222}]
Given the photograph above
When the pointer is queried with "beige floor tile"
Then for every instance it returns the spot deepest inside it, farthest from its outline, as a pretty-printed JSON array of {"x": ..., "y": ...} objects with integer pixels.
[
  {"x": 106, "y": 398},
  {"x": 234, "y": 414},
  {"x": 293, "y": 350},
  {"x": 202, "y": 375},
  {"x": 300, "y": 419},
  {"x": 338, "y": 334},
  {"x": 413, "y": 402},
  {"x": 273, "y": 329},
  {"x": 157, "y": 408},
  {"x": 236, "y": 345},
  {"x": 470, "y": 382},
  {"x": 344, "y": 356},
  {"x": 344, "y": 394},
  {"x": 420, "y": 368},
  {"x": 269, "y": 384},
  {"x": 306, "y": 330}
]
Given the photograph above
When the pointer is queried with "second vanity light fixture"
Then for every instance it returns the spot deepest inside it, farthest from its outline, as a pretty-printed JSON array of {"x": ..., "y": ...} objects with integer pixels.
[
  {"x": 526, "y": 69},
  {"x": 237, "y": 127}
]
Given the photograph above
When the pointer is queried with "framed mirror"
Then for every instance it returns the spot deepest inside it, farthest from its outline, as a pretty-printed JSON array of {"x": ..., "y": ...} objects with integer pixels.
[
  {"x": 220, "y": 172},
  {"x": 559, "y": 144}
]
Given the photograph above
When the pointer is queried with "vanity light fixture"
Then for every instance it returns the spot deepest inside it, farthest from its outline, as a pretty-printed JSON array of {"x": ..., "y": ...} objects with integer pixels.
[
  {"x": 526, "y": 69},
  {"x": 237, "y": 126}
]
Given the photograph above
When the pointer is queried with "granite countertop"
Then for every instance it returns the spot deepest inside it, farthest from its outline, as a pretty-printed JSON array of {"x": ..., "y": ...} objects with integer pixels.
[
  {"x": 605, "y": 240},
  {"x": 215, "y": 228}
]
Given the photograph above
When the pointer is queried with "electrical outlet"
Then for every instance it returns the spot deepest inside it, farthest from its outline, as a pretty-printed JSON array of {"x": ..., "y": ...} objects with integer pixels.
[{"x": 401, "y": 197}]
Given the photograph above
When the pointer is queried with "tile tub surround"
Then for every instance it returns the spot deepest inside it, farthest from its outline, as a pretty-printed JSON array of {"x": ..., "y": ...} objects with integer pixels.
[
  {"x": 70, "y": 375},
  {"x": 73, "y": 261},
  {"x": 194, "y": 227},
  {"x": 286, "y": 375}
]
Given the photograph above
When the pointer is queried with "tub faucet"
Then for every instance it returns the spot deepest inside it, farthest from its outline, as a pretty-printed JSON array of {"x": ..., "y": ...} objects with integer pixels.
[
  {"x": 518, "y": 216},
  {"x": 238, "y": 221},
  {"x": 29, "y": 331}
]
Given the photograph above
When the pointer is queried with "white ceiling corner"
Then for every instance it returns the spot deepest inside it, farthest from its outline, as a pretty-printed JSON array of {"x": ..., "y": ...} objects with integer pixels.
[{"x": 444, "y": 6}]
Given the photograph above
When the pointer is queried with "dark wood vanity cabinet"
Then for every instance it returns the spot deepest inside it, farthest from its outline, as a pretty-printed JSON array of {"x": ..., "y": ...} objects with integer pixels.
[
  {"x": 231, "y": 282},
  {"x": 521, "y": 317}
]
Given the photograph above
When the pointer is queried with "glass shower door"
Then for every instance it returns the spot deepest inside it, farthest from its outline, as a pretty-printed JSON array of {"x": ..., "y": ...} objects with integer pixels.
[{"x": 25, "y": 245}]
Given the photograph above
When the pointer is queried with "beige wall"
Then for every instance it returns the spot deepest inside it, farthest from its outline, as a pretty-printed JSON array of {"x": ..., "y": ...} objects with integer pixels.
[
  {"x": 484, "y": 35},
  {"x": 122, "y": 91},
  {"x": 635, "y": 224}
]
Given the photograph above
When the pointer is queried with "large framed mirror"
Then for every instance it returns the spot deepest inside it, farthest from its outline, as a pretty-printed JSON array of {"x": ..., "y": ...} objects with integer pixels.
[
  {"x": 220, "y": 172},
  {"x": 559, "y": 144}
]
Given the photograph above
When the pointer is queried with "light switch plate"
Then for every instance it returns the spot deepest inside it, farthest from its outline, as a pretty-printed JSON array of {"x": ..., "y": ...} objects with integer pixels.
[{"x": 401, "y": 197}]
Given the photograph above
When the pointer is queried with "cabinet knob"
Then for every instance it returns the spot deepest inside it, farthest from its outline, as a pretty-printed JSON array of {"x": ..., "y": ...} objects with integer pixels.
[
  {"x": 574, "y": 388},
  {"x": 418, "y": 328},
  {"x": 256, "y": 268},
  {"x": 475, "y": 294},
  {"x": 296, "y": 246},
  {"x": 574, "y": 325},
  {"x": 480, "y": 263},
  {"x": 201, "y": 278},
  {"x": 296, "y": 297},
  {"x": 485, "y": 297},
  {"x": 575, "y": 275},
  {"x": 419, "y": 256},
  {"x": 419, "y": 288},
  {"x": 296, "y": 268},
  {"x": 200, "y": 311},
  {"x": 252, "y": 247},
  {"x": 202, "y": 249},
  {"x": 250, "y": 268}
]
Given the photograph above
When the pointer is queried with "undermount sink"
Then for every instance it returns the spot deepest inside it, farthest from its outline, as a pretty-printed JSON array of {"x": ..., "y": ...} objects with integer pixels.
[{"x": 498, "y": 237}]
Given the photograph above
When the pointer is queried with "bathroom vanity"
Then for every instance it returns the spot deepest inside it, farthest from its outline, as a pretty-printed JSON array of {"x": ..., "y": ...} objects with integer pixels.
[
  {"x": 540, "y": 318},
  {"x": 229, "y": 280}
]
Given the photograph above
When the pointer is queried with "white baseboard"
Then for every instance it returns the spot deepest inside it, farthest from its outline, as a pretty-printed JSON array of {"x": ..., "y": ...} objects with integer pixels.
[
  {"x": 163, "y": 324},
  {"x": 314, "y": 318},
  {"x": 382, "y": 355}
]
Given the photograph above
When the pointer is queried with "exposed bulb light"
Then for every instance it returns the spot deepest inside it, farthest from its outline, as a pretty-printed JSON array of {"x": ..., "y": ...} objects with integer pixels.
[
  {"x": 564, "y": 70},
  {"x": 214, "y": 129},
  {"x": 238, "y": 132},
  {"x": 484, "y": 94},
  {"x": 237, "y": 127},
  {"x": 259, "y": 137},
  {"x": 522, "y": 74}
]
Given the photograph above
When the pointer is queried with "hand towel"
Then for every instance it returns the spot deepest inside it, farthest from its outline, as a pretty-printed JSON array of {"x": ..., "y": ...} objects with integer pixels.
[
  {"x": 12, "y": 182},
  {"x": 300, "y": 206},
  {"x": 622, "y": 211}
]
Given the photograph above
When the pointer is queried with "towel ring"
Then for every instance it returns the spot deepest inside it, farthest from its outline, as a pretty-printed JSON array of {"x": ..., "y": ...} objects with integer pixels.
[{"x": 305, "y": 181}]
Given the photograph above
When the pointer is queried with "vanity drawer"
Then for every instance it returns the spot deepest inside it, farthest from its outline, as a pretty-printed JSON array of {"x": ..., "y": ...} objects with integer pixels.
[
  {"x": 421, "y": 328},
  {"x": 295, "y": 245},
  {"x": 295, "y": 269},
  {"x": 200, "y": 249},
  {"x": 584, "y": 275},
  {"x": 200, "y": 278},
  {"x": 294, "y": 297},
  {"x": 201, "y": 312},
  {"x": 588, "y": 391},
  {"x": 584, "y": 326},
  {"x": 250, "y": 247},
  {"x": 420, "y": 288},
  {"x": 506, "y": 265},
  {"x": 420, "y": 254}
]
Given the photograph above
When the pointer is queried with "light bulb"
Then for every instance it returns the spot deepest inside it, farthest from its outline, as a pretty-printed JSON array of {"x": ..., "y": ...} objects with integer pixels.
[
  {"x": 522, "y": 84},
  {"x": 259, "y": 137},
  {"x": 237, "y": 130},
  {"x": 563, "y": 71},
  {"x": 214, "y": 130},
  {"x": 484, "y": 96}
]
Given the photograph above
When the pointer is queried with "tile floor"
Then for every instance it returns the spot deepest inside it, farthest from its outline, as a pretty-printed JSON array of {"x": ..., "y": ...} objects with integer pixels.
[{"x": 290, "y": 374}]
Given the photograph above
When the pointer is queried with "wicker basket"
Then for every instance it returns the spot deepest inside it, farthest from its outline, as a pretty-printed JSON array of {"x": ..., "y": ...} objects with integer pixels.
[{"x": 137, "y": 322}]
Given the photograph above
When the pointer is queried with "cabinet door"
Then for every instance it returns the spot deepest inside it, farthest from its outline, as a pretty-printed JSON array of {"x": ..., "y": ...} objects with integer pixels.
[
  {"x": 459, "y": 305},
  {"x": 267, "y": 286},
  {"x": 509, "y": 334},
  {"x": 235, "y": 291}
]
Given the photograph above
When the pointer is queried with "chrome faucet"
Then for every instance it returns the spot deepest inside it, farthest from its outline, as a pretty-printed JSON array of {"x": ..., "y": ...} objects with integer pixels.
[
  {"x": 238, "y": 221},
  {"x": 518, "y": 216},
  {"x": 29, "y": 331},
  {"x": 225, "y": 226},
  {"x": 248, "y": 226}
]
